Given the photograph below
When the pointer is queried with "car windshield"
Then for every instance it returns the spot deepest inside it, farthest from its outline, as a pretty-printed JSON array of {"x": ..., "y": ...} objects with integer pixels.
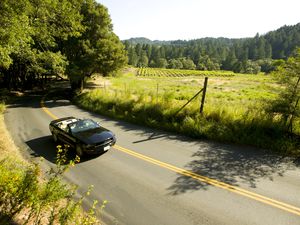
[{"x": 83, "y": 125}]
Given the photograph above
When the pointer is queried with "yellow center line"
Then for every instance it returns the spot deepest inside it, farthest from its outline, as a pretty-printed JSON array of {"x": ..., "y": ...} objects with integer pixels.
[
  {"x": 216, "y": 183},
  {"x": 213, "y": 182},
  {"x": 42, "y": 103}
]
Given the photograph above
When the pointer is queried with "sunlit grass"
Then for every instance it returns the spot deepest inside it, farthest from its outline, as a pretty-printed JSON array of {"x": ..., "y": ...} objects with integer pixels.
[{"x": 233, "y": 111}]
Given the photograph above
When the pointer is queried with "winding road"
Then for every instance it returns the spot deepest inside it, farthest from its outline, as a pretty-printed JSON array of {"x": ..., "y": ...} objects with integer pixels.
[{"x": 157, "y": 178}]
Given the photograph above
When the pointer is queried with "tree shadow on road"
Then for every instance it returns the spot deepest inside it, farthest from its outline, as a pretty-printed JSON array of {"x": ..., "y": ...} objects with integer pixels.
[{"x": 233, "y": 165}]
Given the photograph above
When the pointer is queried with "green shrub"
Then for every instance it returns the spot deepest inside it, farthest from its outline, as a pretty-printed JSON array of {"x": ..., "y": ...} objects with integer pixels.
[{"x": 48, "y": 201}]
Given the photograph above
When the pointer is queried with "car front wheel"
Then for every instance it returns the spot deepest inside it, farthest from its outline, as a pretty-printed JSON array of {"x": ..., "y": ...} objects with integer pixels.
[
  {"x": 79, "y": 150},
  {"x": 54, "y": 137}
]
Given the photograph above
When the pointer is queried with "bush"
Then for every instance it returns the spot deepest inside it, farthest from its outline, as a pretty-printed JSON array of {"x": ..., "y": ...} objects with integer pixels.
[{"x": 49, "y": 201}]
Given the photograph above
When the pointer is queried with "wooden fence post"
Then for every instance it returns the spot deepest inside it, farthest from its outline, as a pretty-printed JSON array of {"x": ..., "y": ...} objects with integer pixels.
[
  {"x": 157, "y": 93},
  {"x": 203, "y": 95}
]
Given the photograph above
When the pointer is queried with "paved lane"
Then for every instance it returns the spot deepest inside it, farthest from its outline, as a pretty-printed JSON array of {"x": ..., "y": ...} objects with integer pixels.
[{"x": 140, "y": 191}]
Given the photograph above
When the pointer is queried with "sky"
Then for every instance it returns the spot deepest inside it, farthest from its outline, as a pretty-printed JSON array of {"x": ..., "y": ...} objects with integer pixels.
[{"x": 192, "y": 19}]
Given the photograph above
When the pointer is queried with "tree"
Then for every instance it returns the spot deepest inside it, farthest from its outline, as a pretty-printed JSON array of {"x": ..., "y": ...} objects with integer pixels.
[
  {"x": 155, "y": 55},
  {"x": 148, "y": 50},
  {"x": 138, "y": 49},
  {"x": 132, "y": 57},
  {"x": 267, "y": 65},
  {"x": 230, "y": 61},
  {"x": 205, "y": 63},
  {"x": 15, "y": 30},
  {"x": 175, "y": 64},
  {"x": 250, "y": 67},
  {"x": 30, "y": 34},
  {"x": 97, "y": 50},
  {"x": 40, "y": 38},
  {"x": 162, "y": 63},
  {"x": 287, "y": 104},
  {"x": 188, "y": 64},
  {"x": 143, "y": 61}
]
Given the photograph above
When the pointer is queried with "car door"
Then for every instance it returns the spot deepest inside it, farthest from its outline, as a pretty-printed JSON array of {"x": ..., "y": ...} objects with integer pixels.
[{"x": 67, "y": 137}]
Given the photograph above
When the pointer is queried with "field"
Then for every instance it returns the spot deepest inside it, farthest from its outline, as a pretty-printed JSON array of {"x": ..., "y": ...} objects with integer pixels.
[
  {"x": 159, "y": 72},
  {"x": 241, "y": 91},
  {"x": 234, "y": 109}
]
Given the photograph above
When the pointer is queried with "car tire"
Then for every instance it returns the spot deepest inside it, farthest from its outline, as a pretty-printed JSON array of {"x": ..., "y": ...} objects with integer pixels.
[
  {"x": 79, "y": 150},
  {"x": 54, "y": 137}
]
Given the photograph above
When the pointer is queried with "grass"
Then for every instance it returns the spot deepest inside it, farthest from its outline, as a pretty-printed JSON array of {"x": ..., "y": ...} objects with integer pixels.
[
  {"x": 7, "y": 147},
  {"x": 233, "y": 111}
]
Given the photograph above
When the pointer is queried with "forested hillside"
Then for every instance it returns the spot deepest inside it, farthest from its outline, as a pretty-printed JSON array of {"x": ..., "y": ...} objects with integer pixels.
[{"x": 245, "y": 55}]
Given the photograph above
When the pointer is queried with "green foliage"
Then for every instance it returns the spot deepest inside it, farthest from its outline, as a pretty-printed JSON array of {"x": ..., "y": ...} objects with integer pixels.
[
  {"x": 267, "y": 65},
  {"x": 49, "y": 201},
  {"x": 45, "y": 38},
  {"x": 15, "y": 31},
  {"x": 287, "y": 104},
  {"x": 205, "y": 63},
  {"x": 98, "y": 49},
  {"x": 161, "y": 63},
  {"x": 175, "y": 64},
  {"x": 188, "y": 64},
  {"x": 248, "y": 66},
  {"x": 30, "y": 35},
  {"x": 16, "y": 188}
]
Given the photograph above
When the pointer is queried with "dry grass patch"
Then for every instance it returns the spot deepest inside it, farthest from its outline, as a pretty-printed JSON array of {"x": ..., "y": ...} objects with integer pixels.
[{"x": 7, "y": 146}]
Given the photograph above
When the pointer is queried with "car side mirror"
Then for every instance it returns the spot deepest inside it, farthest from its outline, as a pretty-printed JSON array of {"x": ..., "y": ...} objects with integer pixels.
[{"x": 68, "y": 130}]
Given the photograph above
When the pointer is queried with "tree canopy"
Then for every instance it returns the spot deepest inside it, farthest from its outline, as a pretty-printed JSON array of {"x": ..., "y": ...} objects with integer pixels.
[{"x": 39, "y": 38}]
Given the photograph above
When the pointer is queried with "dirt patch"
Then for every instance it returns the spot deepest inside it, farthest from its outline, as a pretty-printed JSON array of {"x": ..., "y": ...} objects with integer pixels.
[
  {"x": 7, "y": 146},
  {"x": 130, "y": 70},
  {"x": 97, "y": 82}
]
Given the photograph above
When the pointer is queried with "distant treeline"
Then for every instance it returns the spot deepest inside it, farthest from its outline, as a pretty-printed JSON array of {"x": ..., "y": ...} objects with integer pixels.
[{"x": 244, "y": 55}]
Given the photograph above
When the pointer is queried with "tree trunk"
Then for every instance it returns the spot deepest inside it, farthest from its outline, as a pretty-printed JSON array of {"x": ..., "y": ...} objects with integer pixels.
[
  {"x": 290, "y": 125},
  {"x": 77, "y": 85}
]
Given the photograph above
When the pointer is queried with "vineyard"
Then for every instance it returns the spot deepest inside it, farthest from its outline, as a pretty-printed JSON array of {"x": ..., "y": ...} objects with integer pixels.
[{"x": 159, "y": 72}]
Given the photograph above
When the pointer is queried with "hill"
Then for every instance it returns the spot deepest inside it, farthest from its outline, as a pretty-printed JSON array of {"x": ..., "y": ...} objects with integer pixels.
[
  {"x": 246, "y": 55},
  {"x": 143, "y": 40}
]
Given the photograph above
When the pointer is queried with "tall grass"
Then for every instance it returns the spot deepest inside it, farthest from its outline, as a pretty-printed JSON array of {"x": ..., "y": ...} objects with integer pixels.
[
  {"x": 2, "y": 107},
  {"x": 3, "y": 98},
  {"x": 235, "y": 114}
]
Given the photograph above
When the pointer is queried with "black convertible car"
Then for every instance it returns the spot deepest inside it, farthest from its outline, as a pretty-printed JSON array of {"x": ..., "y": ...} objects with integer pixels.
[{"x": 84, "y": 135}]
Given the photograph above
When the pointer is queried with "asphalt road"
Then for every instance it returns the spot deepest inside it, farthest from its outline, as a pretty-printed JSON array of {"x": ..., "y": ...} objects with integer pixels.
[{"x": 157, "y": 178}]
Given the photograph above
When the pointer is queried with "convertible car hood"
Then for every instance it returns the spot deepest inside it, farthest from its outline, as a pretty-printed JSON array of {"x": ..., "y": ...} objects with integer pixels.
[{"x": 94, "y": 136}]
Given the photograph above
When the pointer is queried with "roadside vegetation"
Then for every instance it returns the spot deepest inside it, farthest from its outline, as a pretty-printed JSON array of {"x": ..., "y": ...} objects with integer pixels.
[
  {"x": 237, "y": 108},
  {"x": 28, "y": 196}
]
